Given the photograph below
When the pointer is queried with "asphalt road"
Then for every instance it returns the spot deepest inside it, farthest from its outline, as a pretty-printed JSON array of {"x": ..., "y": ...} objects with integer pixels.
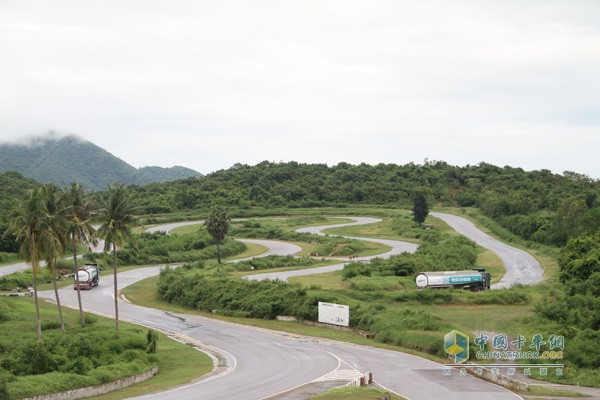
[
  {"x": 10, "y": 269},
  {"x": 273, "y": 247},
  {"x": 521, "y": 267},
  {"x": 258, "y": 363},
  {"x": 397, "y": 247}
]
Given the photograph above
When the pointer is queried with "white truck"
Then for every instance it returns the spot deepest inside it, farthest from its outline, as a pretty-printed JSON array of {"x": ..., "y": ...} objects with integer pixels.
[
  {"x": 475, "y": 279},
  {"x": 87, "y": 277}
]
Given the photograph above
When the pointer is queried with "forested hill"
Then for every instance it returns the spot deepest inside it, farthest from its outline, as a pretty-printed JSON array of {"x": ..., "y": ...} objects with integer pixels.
[
  {"x": 536, "y": 205},
  {"x": 71, "y": 159},
  {"x": 12, "y": 186}
]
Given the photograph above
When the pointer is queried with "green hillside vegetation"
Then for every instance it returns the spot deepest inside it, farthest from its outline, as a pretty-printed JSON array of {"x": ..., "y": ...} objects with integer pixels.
[
  {"x": 159, "y": 248},
  {"x": 87, "y": 356},
  {"x": 51, "y": 159},
  {"x": 12, "y": 186},
  {"x": 146, "y": 175},
  {"x": 538, "y": 206}
]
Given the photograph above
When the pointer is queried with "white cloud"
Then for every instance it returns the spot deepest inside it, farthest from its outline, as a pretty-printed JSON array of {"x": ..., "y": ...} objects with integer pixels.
[{"x": 207, "y": 84}]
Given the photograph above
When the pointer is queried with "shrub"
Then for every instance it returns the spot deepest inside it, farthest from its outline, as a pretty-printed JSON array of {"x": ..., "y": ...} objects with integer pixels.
[
  {"x": 264, "y": 299},
  {"x": 579, "y": 349},
  {"x": 406, "y": 320},
  {"x": 271, "y": 262},
  {"x": 356, "y": 268},
  {"x": 89, "y": 319}
]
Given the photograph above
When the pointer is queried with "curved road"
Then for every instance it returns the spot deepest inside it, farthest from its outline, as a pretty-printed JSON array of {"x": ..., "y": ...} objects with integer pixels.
[
  {"x": 521, "y": 267},
  {"x": 274, "y": 248},
  {"x": 397, "y": 247},
  {"x": 257, "y": 363}
]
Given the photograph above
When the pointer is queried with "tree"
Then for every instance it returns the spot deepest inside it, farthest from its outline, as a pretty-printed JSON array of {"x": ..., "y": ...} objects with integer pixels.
[
  {"x": 27, "y": 224},
  {"x": 117, "y": 218},
  {"x": 580, "y": 258},
  {"x": 53, "y": 237},
  {"x": 217, "y": 225},
  {"x": 79, "y": 228},
  {"x": 569, "y": 217},
  {"x": 420, "y": 207}
]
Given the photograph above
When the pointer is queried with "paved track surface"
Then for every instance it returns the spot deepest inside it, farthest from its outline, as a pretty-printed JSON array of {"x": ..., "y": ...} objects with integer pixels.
[
  {"x": 257, "y": 363},
  {"x": 521, "y": 267},
  {"x": 10, "y": 269},
  {"x": 397, "y": 247},
  {"x": 273, "y": 247}
]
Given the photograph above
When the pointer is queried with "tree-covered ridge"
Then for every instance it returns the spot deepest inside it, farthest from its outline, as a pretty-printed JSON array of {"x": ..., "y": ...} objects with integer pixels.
[
  {"x": 71, "y": 159},
  {"x": 13, "y": 186},
  {"x": 536, "y": 205}
]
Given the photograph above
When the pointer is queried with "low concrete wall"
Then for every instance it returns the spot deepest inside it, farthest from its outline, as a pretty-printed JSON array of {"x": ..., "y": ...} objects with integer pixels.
[
  {"x": 100, "y": 389},
  {"x": 321, "y": 324},
  {"x": 15, "y": 294},
  {"x": 338, "y": 327}
]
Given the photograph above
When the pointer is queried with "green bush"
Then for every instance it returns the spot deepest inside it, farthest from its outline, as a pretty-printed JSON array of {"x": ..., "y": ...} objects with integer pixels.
[
  {"x": 406, "y": 320},
  {"x": 53, "y": 382},
  {"x": 356, "y": 268},
  {"x": 159, "y": 248},
  {"x": 579, "y": 349},
  {"x": 265, "y": 299},
  {"x": 271, "y": 262},
  {"x": 23, "y": 280},
  {"x": 437, "y": 253}
]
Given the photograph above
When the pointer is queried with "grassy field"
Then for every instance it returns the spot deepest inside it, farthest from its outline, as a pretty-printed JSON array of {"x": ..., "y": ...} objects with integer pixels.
[
  {"x": 388, "y": 228},
  {"x": 178, "y": 364},
  {"x": 355, "y": 393},
  {"x": 8, "y": 258},
  {"x": 144, "y": 293},
  {"x": 324, "y": 263},
  {"x": 517, "y": 318},
  {"x": 468, "y": 311},
  {"x": 379, "y": 291},
  {"x": 252, "y": 250},
  {"x": 284, "y": 223},
  {"x": 539, "y": 391},
  {"x": 291, "y": 224}
]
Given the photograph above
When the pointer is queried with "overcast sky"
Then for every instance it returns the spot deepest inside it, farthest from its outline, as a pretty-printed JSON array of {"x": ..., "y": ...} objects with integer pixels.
[{"x": 206, "y": 84}]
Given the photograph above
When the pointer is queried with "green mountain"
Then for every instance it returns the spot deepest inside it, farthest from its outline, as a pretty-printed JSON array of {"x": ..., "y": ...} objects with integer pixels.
[{"x": 72, "y": 159}]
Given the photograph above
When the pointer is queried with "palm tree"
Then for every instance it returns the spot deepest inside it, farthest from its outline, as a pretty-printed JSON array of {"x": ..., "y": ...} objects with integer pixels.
[
  {"x": 54, "y": 237},
  {"x": 117, "y": 219},
  {"x": 27, "y": 223},
  {"x": 217, "y": 225},
  {"x": 79, "y": 228}
]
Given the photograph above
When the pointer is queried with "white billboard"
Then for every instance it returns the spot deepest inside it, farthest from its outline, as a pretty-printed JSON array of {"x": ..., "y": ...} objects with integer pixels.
[{"x": 334, "y": 314}]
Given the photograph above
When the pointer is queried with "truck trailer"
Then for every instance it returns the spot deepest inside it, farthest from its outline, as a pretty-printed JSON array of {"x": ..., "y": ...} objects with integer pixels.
[
  {"x": 475, "y": 279},
  {"x": 87, "y": 277}
]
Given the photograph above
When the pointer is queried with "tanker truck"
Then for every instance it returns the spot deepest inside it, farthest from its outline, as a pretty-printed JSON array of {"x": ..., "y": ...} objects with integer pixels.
[
  {"x": 475, "y": 279},
  {"x": 87, "y": 277}
]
